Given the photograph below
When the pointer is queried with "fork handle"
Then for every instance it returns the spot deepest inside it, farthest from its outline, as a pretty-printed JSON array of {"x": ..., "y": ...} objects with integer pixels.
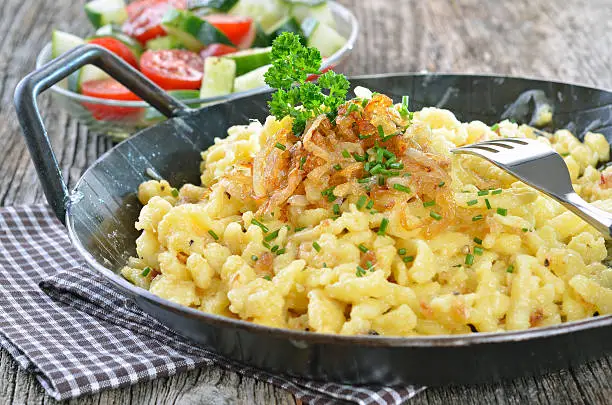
[{"x": 598, "y": 218}]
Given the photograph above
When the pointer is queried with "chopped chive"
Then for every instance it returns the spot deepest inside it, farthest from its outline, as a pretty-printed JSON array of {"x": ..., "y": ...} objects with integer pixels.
[
  {"x": 390, "y": 173},
  {"x": 337, "y": 166},
  {"x": 477, "y": 218},
  {"x": 404, "y": 109},
  {"x": 388, "y": 154},
  {"x": 435, "y": 215},
  {"x": 254, "y": 258},
  {"x": 469, "y": 259},
  {"x": 494, "y": 127},
  {"x": 483, "y": 192},
  {"x": 213, "y": 234},
  {"x": 441, "y": 184},
  {"x": 383, "y": 226},
  {"x": 487, "y": 203},
  {"x": 363, "y": 248},
  {"x": 391, "y": 160},
  {"x": 352, "y": 108},
  {"x": 376, "y": 169},
  {"x": 280, "y": 251},
  {"x": 370, "y": 204},
  {"x": 381, "y": 131},
  {"x": 366, "y": 166},
  {"x": 324, "y": 265},
  {"x": 396, "y": 165},
  {"x": 345, "y": 154},
  {"x": 302, "y": 161},
  {"x": 472, "y": 202},
  {"x": 259, "y": 224},
  {"x": 267, "y": 277},
  {"x": 365, "y": 102},
  {"x": 358, "y": 157},
  {"x": 407, "y": 175},
  {"x": 316, "y": 246},
  {"x": 502, "y": 211},
  {"x": 380, "y": 153},
  {"x": 146, "y": 271},
  {"x": 360, "y": 272},
  {"x": 478, "y": 251},
  {"x": 361, "y": 202},
  {"x": 381, "y": 181},
  {"x": 408, "y": 259},
  {"x": 364, "y": 180},
  {"x": 266, "y": 244},
  {"x": 400, "y": 187},
  {"x": 272, "y": 236},
  {"x": 336, "y": 209},
  {"x": 360, "y": 136},
  {"x": 274, "y": 248},
  {"x": 280, "y": 146},
  {"x": 429, "y": 203},
  {"x": 368, "y": 264},
  {"x": 565, "y": 154},
  {"x": 525, "y": 230},
  {"x": 175, "y": 192},
  {"x": 498, "y": 191},
  {"x": 401, "y": 251},
  {"x": 478, "y": 240},
  {"x": 510, "y": 269},
  {"x": 301, "y": 228}
]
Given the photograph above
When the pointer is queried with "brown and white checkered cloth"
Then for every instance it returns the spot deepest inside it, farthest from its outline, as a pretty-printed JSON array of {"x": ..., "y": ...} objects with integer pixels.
[{"x": 79, "y": 335}]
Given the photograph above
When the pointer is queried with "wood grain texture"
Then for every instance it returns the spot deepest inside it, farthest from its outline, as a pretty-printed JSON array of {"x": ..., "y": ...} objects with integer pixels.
[{"x": 567, "y": 40}]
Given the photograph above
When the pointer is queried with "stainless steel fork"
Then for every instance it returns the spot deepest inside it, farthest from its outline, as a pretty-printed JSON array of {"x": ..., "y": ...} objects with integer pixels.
[{"x": 541, "y": 167}]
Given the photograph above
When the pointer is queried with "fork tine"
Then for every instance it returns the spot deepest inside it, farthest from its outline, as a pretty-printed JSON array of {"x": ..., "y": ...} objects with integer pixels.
[
  {"x": 494, "y": 143},
  {"x": 476, "y": 148},
  {"x": 509, "y": 140}
]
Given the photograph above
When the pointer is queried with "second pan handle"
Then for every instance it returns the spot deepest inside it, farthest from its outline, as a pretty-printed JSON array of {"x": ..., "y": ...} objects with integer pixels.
[{"x": 51, "y": 73}]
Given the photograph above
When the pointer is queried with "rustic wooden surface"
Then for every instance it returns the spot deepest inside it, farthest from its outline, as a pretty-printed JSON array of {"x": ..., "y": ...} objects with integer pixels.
[{"x": 567, "y": 40}]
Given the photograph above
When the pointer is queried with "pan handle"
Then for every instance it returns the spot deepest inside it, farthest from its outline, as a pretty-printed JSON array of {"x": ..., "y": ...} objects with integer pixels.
[{"x": 32, "y": 125}]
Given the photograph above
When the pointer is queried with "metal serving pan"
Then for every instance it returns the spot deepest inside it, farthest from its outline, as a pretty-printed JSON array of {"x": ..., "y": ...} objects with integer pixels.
[{"x": 101, "y": 210}]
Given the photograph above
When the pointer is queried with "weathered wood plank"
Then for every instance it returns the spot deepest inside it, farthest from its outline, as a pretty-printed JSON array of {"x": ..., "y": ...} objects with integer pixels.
[{"x": 570, "y": 41}]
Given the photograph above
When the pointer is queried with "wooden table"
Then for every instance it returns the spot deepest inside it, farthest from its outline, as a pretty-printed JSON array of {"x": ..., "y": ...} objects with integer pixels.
[{"x": 567, "y": 40}]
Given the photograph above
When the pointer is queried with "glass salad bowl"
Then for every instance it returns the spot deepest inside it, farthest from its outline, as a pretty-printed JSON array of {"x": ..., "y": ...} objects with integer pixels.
[{"x": 119, "y": 119}]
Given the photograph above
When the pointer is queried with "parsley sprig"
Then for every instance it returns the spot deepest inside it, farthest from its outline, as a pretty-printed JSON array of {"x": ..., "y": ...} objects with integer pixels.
[{"x": 292, "y": 63}]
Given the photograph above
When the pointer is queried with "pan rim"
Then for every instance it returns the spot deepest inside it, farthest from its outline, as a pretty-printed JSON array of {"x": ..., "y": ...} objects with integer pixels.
[{"x": 462, "y": 340}]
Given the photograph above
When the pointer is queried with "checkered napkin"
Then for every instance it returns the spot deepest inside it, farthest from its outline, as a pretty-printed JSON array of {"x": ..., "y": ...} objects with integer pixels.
[{"x": 79, "y": 335}]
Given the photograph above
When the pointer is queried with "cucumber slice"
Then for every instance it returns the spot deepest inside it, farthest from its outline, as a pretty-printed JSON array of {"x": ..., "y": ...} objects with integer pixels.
[
  {"x": 219, "y": 75},
  {"x": 251, "y": 80},
  {"x": 322, "y": 37},
  {"x": 289, "y": 24},
  {"x": 261, "y": 39},
  {"x": 218, "y": 5},
  {"x": 191, "y": 30},
  {"x": 62, "y": 42},
  {"x": 111, "y": 31},
  {"x": 152, "y": 115},
  {"x": 249, "y": 59},
  {"x": 265, "y": 12},
  {"x": 167, "y": 42},
  {"x": 102, "y": 12},
  {"x": 319, "y": 11}
]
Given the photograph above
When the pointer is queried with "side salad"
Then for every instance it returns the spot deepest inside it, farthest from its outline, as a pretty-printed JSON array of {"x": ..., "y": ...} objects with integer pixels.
[{"x": 195, "y": 48}]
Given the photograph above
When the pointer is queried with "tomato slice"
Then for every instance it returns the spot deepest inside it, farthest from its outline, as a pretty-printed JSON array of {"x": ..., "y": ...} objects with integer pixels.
[
  {"x": 109, "y": 89},
  {"x": 118, "y": 48},
  {"x": 144, "y": 18},
  {"x": 173, "y": 69},
  {"x": 235, "y": 27},
  {"x": 217, "y": 50}
]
